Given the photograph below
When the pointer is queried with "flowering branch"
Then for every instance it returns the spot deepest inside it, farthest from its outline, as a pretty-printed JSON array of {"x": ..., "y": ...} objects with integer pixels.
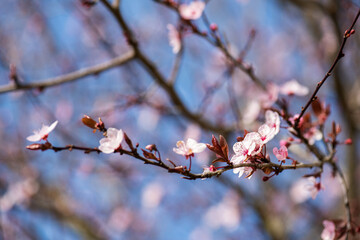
[
  {"x": 177, "y": 169},
  {"x": 250, "y": 150}
]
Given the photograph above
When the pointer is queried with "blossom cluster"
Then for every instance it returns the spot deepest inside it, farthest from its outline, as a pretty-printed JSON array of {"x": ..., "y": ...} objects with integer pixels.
[{"x": 253, "y": 142}]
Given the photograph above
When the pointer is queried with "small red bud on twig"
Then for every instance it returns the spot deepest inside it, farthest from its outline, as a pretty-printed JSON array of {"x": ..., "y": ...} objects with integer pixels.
[
  {"x": 213, "y": 27},
  {"x": 265, "y": 178}
]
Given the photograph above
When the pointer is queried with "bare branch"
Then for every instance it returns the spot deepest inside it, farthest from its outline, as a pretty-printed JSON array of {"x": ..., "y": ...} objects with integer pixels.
[
  {"x": 340, "y": 55},
  {"x": 70, "y": 76}
]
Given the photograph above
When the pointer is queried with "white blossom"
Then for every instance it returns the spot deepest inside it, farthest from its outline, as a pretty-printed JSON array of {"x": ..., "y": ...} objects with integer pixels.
[
  {"x": 329, "y": 230},
  {"x": 192, "y": 11},
  {"x": 188, "y": 149},
  {"x": 112, "y": 140},
  {"x": 293, "y": 88},
  {"x": 313, "y": 135},
  {"x": 174, "y": 38},
  {"x": 250, "y": 146},
  {"x": 304, "y": 189},
  {"x": 43, "y": 133}
]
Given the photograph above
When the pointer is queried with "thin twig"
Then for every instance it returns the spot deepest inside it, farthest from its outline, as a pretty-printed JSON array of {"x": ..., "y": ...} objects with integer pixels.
[
  {"x": 346, "y": 198},
  {"x": 70, "y": 76},
  {"x": 340, "y": 55},
  {"x": 176, "y": 67},
  {"x": 152, "y": 69},
  {"x": 246, "y": 68}
]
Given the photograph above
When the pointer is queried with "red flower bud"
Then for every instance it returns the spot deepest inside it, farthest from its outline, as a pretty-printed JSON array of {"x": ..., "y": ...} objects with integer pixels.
[{"x": 213, "y": 27}]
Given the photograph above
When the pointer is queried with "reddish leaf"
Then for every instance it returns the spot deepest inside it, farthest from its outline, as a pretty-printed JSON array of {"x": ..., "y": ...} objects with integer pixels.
[
  {"x": 149, "y": 155},
  {"x": 317, "y": 107},
  {"x": 128, "y": 141},
  {"x": 211, "y": 148},
  {"x": 224, "y": 147},
  {"x": 218, "y": 160}
]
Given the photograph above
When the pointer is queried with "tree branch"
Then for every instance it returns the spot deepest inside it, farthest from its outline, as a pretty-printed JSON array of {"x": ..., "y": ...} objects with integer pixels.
[
  {"x": 70, "y": 77},
  {"x": 340, "y": 55},
  {"x": 277, "y": 168},
  {"x": 151, "y": 68}
]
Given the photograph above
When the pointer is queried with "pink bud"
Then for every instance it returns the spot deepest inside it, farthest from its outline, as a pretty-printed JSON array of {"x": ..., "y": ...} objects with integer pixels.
[
  {"x": 151, "y": 147},
  {"x": 212, "y": 168},
  {"x": 348, "y": 141},
  {"x": 213, "y": 27},
  {"x": 281, "y": 154}
]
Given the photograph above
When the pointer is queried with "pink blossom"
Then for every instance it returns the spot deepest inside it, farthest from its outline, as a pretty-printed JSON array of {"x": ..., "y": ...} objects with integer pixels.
[
  {"x": 267, "y": 133},
  {"x": 268, "y": 130},
  {"x": 152, "y": 195},
  {"x": 112, "y": 140},
  {"x": 294, "y": 118},
  {"x": 312, "y": 135},
  {"x": 174, "y": 38},
  {"x": 269, "y": 97},
  {"x": 273, "y": 121},
  {"x": 18, "y": 193},
  {"x": 188, "y": 149},
  {"x": 250, "y": 146},
  {"x": 252, "y": 110},
  {"x": 305, "y": 188},
  {"x": 329, "y": 230},
  {"x": 281, "y": 154},
  {"x": 284, "y": 142},
  {"x": 192, "y": 11},
  {"x": 293, "y": 88},
  {"x": 43, "y": 133},
  {"x": 242, "y": 170}
]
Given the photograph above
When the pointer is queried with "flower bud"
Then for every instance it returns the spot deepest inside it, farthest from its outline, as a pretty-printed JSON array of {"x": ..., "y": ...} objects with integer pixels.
[
  {"x": 213, "y": 27},
  {"x": 151, "y": 147},
  {"x": 348, "y": 141},
  {"x": 38, "y": 146},
  {"x": 34, "y": 146},
  {"x": 265, "y": 178}
]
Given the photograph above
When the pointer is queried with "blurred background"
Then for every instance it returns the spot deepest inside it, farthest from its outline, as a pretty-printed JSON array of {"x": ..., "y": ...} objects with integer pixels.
[{"x": 72, "y": 195}]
